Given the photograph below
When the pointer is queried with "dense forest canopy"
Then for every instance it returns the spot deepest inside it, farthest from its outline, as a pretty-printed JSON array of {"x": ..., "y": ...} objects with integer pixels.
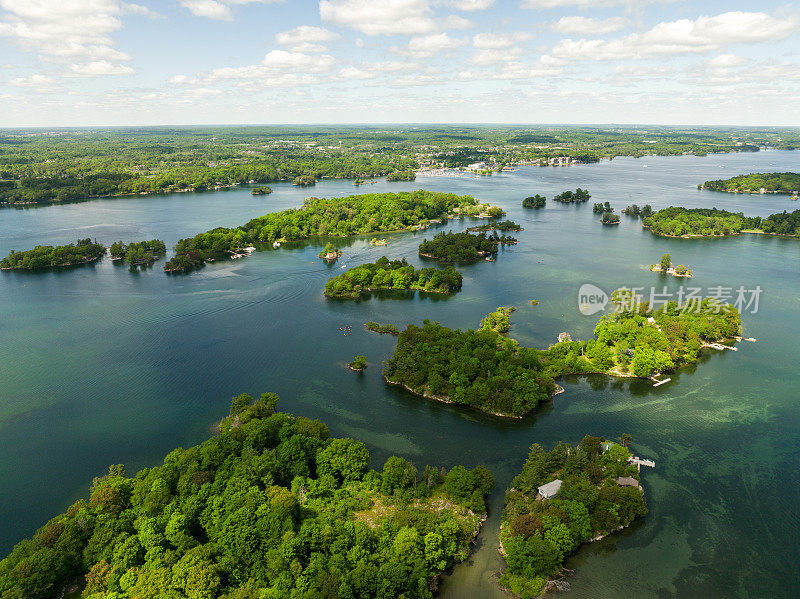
[
  {"x": 599, "y": 493},
  {"x": 570, "y": 197},
  {"x": 706, "y": 222},
  {"x": 138, "y": 252},
  {"x": 462, "y": 247},
  {"x": 42, "y": 166},
  {"x": 788, "y": 183},
  {"x": 492, "y": 373},
  {"x": 397, "y": 275},
  {"x": 271, "y": 507},
  {"x": 85, "y": 251}
]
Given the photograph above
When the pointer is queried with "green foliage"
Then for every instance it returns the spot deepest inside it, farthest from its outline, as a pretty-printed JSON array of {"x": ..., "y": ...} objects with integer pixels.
[
  {"x": 358, "y": 363},
  {"x": 569, "y": 197},
  {"x": 788, "y": 183},
  {"x": 330, "y": 252},
  {"x": 609, "y": 218},
  {"x": 268, "y": 508},
  {"x": 139, "y": 252},
  {"x": 538, "y": 534},
  {"x": 784, "y": 223},
  {"x": 501, "y": 225},
  {"x": 389, "y": 329},
  {"x": 665, "y": 262},
  {"x": 498, "y": 321},
  {"x": 46, "y": 256},
  {"x": 462, "y": 247},
  {"x": 409, "y": 175},
  {"x": 261, "y": 191},
  {"x": 705, "y": 222},
  {"x": 536, "y": 201},
  {"x": 635, "y": 210},
  {"x": 600, "y": 208},
  {"x": 385, "y": 274}
]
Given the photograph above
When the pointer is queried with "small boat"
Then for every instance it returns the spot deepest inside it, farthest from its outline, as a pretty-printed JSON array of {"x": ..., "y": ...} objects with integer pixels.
[{"x": 276, "y": 244}]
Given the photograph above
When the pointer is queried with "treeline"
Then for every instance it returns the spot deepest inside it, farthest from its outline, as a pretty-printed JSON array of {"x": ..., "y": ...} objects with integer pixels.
[
  {"x": 788, "y": 183},
  {"x": 384, "y": 329},
  {"x": 599, "y": 493},
  {"x": 140, "y": 252},
  {"x": 568, "y": 197},
  {"x": 398, "y": 275},
  {"x": 706, "y": 222},
  {"x": 503, "y": 225},
  {"x": 84, "y": 251},
  {"x": 462, "y": 247},
  {"x": 635, "y": 210},
  {"x": 494, "y": 374},
  {"x": 270, "y": 507},
  {"x": 783, "y": 223}
]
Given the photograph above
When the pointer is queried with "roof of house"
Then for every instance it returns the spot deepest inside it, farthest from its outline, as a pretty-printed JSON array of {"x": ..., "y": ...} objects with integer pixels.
[
  {"x": 550, "y": 488},
  {"x": 627, "y": 481}
]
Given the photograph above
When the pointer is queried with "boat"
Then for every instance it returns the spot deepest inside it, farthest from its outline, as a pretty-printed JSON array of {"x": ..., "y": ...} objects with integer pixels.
[{"x": 276, "y": 244}]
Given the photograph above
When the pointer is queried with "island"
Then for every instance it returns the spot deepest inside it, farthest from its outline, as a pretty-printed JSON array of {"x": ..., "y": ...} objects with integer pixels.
[
  {"x": 392, "y": 275},
  {"x": 503, "y": 225},
  {"x": 358, "y": 364},
  {"x": 492, "y": 373},
  {"x": 401, "y": 176},
  {"x": 635, "y": 210},
  {"x": 710, "y": 222},
  {"x": 535, "y": 201},
  {"x": 780, "y": 183},
  {"x": 330, "y": 253},
  {"x": 561, "y": 499},
  {"x": 138, "y": 253},
  {"x": 335, "y": 217},
  {"x": 271, "y": 506},
  {"x": 305, "y": 181},
  {"x": 609, "y": 218},
  {"x": 570, "y": 197},
  {"x": 600, "y": 208},
  {"x": 666, "y": 266},
  {"x": 383, "y": 329},
  {"x": 84, "y": 251},
  {"x": 261, "y": 191},
  {"x": 378, "y": 242},
  {"x": 462, "y": 247}
]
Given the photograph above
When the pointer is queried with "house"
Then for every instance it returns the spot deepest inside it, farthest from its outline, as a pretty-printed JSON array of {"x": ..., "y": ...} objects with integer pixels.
[
  {"x": 627, "y": 481},
  {"x": 606, "y": 446},
  {"x": 550, "y": 489}
]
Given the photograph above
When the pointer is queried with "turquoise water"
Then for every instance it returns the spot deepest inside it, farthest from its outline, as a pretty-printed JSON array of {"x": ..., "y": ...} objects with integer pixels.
[{"x": 100, "y": 365}]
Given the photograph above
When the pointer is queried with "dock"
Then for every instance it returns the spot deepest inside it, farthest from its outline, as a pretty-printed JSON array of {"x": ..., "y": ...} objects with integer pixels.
[
  {"x": 641, "y": 462},
  {"x": 661, "y": 382},
  {"x": 719, "y": 346}
]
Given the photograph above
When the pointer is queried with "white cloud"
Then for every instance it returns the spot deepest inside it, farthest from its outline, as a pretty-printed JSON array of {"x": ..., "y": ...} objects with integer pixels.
[
  {"x": 356, "y": 73},
  {"x": 99, "y": 68},
  {"x": 380, "y": 17},
  {"x": 704, "y": 34},
  {"x": 428, "y": 46},
  {"x": 219, "y": 10},
  {"x": 493, "y": 41},
  {"x": 69, "y": 31},
  {"x": 547, "y": 4},
  {"x": 494, "y": 55},
  {"x": 456, "y": 22},
  {"x": 468, "y": 5},
  {"x": 306, "y": 38},
  {"x": 587, "y": 26},
  {"x": 512, "y": 71},
  {"x": 37, "y": 82},
  {"x": 727, "y": 60}
]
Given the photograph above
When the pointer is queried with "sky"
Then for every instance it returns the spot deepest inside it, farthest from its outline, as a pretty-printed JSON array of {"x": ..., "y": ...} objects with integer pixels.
[{"x": 196, "y": 62}]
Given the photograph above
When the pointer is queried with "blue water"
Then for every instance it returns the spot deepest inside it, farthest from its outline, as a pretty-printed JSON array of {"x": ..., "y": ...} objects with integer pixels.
[{"x": 99, "y": 365}]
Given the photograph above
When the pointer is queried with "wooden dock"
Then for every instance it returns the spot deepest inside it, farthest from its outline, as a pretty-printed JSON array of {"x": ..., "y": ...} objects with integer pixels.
[{"x": 658, "y": 383}]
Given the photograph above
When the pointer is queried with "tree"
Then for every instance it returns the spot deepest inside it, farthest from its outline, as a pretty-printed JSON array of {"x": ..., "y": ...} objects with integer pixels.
[{"x": 666, "y": 262}]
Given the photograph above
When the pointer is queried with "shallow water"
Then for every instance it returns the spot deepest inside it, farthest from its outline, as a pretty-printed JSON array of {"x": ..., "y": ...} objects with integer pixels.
[{"x": 100, "y": 365}]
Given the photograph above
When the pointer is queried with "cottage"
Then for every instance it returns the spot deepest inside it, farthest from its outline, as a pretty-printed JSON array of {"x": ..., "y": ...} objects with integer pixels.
[
  {"x": 550, "y": 489},
  {"x": 627, "y": 481}
]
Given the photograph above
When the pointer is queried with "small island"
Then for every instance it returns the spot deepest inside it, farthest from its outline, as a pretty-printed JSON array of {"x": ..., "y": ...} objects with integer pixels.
[
  {"x": 462, "y": 247},
  {"x": 564, "y": 498},
  {"x": 232, "y": 516},
  {"x": 665, "y": 265},
  {"x": 378, "y": 242},
  {"x": 635, "y": 210},
  {"x": 757, "y": 183},
  {"x": 503, "y": 225},
  {"x": 358, "y": 364},
  {"x": 536, "y": 201},
  {"x": 710, "y": 222},
  {"x": 392, "y": 275},
  {"x": 84, "y": 251},
  {"x": 261, "y": 191},
  {"x": 512, "y": 380},
  {"x": 409, "y": 175},
  {"x": 330, "y": 253},
  {"x": 383, "y": 329},
  {"x": 138, "y": 253},
  {"x": 571, "y": 197},
  {"x": 609, "y": 218},
  {"x": 305, "y": 181},
  {"x": 600, "y": 208}
]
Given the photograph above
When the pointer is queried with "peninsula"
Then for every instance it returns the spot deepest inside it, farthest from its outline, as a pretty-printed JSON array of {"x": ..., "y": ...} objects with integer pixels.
[{"x": 758, "y": 183}]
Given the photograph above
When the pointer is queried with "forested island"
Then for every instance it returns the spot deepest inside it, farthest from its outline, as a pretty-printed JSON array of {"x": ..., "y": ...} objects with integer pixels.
[
  {"x": 270, "y": 507},
  {"x": 409, "y": 175},
  {"x": 535, "y": 201},
  {"x": 710, "y": 222},
  {"x": 666, "y": 266},
  {"x": 383, "y": 329},
  {"x": 599, "y": 208},
  {"x": 782, "y": 183},
  {"x": 485, "y": 370},
  {"x": 40, "y": 167},
  {"x": 635, "y": 210},
  {"x": 330, "y": 253},
  {"x": 462, "y": 247},
  {"x": 392, "y": 275},
  {"x": 502, "y": 225},
  {"x": 563, "y": 498},
  {"x": 609, "y": 218},
  {"x": 335, "y": 217},
  {"x": 261, "y": 191},
  {"x": 139, "y": 252},
  {"x": 570, "y": 197},
  {"x": 84, "y": 251}
]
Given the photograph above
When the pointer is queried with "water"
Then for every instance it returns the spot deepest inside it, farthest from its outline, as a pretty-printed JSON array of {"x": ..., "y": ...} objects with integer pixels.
[{"x": 100, "y": 365}]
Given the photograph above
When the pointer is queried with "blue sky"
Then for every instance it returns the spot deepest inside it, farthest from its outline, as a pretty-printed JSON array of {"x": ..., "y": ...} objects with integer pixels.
[{"x": 151, "y": 62}]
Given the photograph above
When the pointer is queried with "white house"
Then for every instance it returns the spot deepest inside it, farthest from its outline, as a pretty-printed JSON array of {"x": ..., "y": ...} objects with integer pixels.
[{"x": 550, "y": 489}]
